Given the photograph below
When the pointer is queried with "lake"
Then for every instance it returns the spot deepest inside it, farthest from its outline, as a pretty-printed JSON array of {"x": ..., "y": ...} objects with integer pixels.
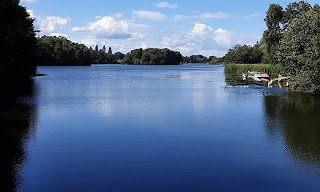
[{"x": 158, "y": 128}]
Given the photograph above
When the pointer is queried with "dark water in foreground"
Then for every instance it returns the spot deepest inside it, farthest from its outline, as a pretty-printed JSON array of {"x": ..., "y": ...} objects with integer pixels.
[{"x": 158, "y": 128}]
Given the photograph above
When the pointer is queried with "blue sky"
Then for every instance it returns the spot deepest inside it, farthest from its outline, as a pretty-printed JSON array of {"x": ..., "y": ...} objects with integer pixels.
[{"x": 205, "y": 27}]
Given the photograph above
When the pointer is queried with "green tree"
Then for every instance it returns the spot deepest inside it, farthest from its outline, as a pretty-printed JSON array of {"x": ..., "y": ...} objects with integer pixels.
[
  {"x": 299, "y": 52},
  {"x": 18, "y": 45},
  {"x": 273, "y": 34},
  {"x": 61, "y": 51},
  {"x": 103, "y": 50},
  {"x": 244, "y": 54},
  {"x": 316, "y": 8},
  {"x": 153, "y": 56},
  {"x": 110, "y": 50},
  {"x": 293, "y": 10},
  {"x": 17, "y": 40}
]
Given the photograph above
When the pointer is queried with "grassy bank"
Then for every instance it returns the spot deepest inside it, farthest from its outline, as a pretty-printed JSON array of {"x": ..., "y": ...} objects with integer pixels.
[{"x": 238, "y": 69}]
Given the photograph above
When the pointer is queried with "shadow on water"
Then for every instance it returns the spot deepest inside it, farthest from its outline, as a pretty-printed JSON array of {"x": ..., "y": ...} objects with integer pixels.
[
  {"x": 296, "y": 118},
  {"x": 17, "y": 124},
  {"x": 293, "y": 118}
]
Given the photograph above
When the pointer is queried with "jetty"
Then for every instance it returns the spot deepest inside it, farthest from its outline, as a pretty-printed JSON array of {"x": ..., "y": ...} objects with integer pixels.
[{"x": 279, "y": 79}]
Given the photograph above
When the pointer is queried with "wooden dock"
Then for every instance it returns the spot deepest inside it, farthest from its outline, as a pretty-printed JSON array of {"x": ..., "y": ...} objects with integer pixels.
[{"x": 279, "y": 79}]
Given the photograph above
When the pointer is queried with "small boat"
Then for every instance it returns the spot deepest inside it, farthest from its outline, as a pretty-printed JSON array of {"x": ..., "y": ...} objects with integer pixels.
[{"x": 256, "y": 76}]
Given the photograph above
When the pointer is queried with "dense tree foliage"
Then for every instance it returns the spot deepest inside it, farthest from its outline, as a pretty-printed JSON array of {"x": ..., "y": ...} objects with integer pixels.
[
  {"x": 153, "y": 56},
  {"x": 293, "y": 10},
  {"x": 299, "y": 51},
  {"x": 103, "y": 57},
  {"x": 17, "y": 40},
  {"x": 55, "y": 51},
  {"x": 244, "y": 54},
  {"x": 277, "y": 21},
  {"x": 273, "y": 34},
  {"x": 17, "y": 50},
  {"x": 59, "y": 51}
]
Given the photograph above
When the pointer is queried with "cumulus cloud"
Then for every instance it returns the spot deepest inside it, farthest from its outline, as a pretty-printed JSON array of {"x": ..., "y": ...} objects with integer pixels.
[
  {"x": 166, "y": 5},
  {"x": 89, "y": 41},
  {"x": 49, "y": 25},
  {"x": 200, "y": 29},
  {"x": 122, "y": 35},
  {"x": 52, "y": 23},
  {"x": 31, "y": 13},
  {"x": 108, "y": 27},
  {"x": 152, "y": 15},
  {"x": 28, "y": 1},
  {"x": 223, "y": 37},
  {"x": 202, "y": 39}
]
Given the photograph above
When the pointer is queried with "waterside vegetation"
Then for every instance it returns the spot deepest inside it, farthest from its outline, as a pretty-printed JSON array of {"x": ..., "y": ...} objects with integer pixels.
[
  {"x": 236, "y": 69},
  {"x": 291, "y": 43}
]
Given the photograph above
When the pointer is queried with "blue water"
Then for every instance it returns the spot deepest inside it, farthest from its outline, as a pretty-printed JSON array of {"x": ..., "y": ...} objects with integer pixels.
[{"x": 166, "y": 128}]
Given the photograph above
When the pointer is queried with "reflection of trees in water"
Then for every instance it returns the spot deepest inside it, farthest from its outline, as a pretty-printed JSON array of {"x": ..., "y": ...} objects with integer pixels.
[
  {"x": 297, "y": 118},
  {"x": 17, "y": 122},
  {"x": 272, "y": 109}
]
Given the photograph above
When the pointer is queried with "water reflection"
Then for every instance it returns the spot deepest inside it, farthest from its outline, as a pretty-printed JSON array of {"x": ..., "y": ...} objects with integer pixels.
[
  {"x": 17, "y": 123},
  {"x": 296, "y": 118}
]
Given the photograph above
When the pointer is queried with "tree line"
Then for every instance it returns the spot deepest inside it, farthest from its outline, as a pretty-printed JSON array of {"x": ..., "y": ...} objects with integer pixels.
[
  {"x": 201, "y": 59},
  {"x": 153, "y": 56},
  {"x": 59, "y": 51},
  {"x": 291, "y": 40}
]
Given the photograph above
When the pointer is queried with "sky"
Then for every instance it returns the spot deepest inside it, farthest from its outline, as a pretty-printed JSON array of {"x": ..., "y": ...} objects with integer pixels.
[{"x": 205, "y": 27}]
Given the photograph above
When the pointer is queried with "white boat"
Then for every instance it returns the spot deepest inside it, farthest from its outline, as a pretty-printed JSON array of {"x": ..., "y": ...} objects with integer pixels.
[{"x": 256, "y": 76}]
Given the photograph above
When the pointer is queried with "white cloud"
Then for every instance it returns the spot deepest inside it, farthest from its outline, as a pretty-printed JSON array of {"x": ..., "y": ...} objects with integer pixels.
[
  {"x": 200, "y": 29},
  {"x": 89, "y": 41},
  {"x": 31, "y": 13},
  {"x": 121, "y": 35},
  {"x": 108, "y": 27},
  {"x": 144, "y": 45},
  {"x": 52, "y": 23},
  {"x": 166, "y": 5},
  {"x": 223, "y": 37},
  {"x": 217, "y": 15},
  {"x": 28, "y": 1},
  {"x": 58, "y": 34},
  {"x": 49, "y": 25},
  {"x": 202, "y": 39},
  {"x": 152, "y": 15}
]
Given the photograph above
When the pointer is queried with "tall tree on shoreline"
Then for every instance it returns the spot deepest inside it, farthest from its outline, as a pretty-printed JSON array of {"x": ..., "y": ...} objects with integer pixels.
[
  {"x": 17, "y": 40},
  {"x": 273, "y": 34},
  {"x": 18, "y": 46},
  {"x": 299, "y": 52}
]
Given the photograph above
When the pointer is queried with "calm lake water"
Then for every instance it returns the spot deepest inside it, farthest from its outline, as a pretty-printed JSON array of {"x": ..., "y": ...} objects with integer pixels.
[{"x": 158, "y": 128}]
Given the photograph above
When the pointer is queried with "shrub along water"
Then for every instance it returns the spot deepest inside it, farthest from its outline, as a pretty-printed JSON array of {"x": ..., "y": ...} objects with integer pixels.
[{"x": 238, "y": 69}]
